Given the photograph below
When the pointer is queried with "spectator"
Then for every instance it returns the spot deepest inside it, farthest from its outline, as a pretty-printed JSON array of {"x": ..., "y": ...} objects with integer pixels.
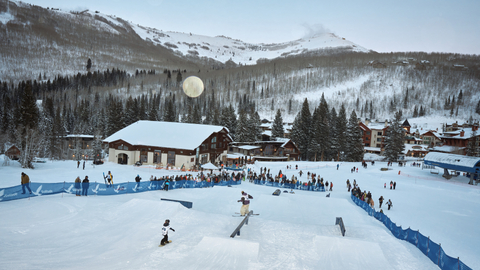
[{"x": 25, "y": 183}]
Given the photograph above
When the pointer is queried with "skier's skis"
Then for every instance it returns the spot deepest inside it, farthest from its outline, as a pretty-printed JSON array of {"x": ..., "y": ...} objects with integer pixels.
[{"x": 104, "y": 179}]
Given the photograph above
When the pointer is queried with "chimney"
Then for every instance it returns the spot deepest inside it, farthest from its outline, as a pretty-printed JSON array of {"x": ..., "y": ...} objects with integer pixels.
[
  {"x": 462, "y": 133},
  {"x": 474, "y": 127}
]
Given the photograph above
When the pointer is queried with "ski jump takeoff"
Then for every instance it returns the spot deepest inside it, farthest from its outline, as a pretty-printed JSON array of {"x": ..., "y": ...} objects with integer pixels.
[
  {"x": 245, "y": 203},
  {"x": 166, "y": 227}
]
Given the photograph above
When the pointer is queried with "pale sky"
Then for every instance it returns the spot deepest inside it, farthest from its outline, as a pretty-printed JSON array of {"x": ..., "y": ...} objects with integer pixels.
[{"x": 379, "y": 25}]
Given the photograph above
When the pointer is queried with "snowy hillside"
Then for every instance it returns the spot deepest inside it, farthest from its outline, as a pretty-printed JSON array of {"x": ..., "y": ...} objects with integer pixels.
[
  {"x": 293, "y": 231},
  {"x": 223, "y": 49}
]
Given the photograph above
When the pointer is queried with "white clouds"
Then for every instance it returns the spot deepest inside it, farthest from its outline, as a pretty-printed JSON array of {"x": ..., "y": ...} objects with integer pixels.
[{"x": 314, "y": 30}]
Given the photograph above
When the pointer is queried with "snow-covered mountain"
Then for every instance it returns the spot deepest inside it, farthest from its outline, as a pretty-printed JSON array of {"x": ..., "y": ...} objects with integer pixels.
[
  {"x": 33, "y": 36},
  {"x": 223, "y": 49}
]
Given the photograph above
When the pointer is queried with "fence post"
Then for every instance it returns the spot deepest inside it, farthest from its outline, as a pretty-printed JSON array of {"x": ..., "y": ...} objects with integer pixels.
[
  {"x": 428, "y": 245},
  {"x": 439, "y": 249},
  {"x": 417, "y": 237}
]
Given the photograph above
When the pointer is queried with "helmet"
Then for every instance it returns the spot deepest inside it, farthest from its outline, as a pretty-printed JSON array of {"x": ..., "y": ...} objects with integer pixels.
[{"x": 167, "y": 220}]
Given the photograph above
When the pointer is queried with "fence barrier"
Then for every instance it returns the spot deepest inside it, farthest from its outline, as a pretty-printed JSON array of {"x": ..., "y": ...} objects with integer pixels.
[
  {"x": 101, "y": 189},
  {"x": 431, "y": 249}
]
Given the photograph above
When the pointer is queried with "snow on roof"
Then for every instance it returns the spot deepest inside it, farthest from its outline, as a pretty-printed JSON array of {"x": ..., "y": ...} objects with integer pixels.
[
  {"x": 414, "y": 147},
  {"x": 248, "y": 147},
  {"x": 458, "y": 160},
  {"x": 456, "y": 134},
  {"x": 165, "y": 134},
  {"x": 447, "y": 148},
  {"x": 79, "y": 136}
]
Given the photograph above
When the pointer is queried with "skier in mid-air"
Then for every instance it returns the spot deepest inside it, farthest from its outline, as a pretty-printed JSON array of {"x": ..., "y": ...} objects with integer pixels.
[{"x": 166, "y": 227}]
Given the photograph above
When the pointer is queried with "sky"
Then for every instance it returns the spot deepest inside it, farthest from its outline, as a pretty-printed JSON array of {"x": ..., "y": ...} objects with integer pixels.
[
  {"x": 292, "y": 231},
  {"x": 379, "y": 25}
]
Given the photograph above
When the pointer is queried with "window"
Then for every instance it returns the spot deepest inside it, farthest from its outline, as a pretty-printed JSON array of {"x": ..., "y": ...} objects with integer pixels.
[
  {"x": 214, "y": 140},
  {"x": 379, "y": 139},
  {"x": 171, "y": 158},
  {"x": 368, "y": 132},
  {"x": 379, "y": 133},
  {"x": 213, "y": 146}
]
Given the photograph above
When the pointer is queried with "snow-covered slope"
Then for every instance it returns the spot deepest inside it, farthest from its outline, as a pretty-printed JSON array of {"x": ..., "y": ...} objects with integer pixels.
[{"x": 223, "y": 48}]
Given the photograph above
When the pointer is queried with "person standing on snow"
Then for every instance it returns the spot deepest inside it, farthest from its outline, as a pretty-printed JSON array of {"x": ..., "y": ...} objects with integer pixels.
[
  {"x": 85, "y": 186},
  {"x": 389, "y": 204},
  {"x": 137, "y": 179},
  {"x": 165, "y": 228},
  {"x": 245, "y": 203},
  {"x": 110, "y": 178},
  {"x": 380, "y": 200},
  {"x": 25, "y": 183},
  {"x": 78, "y": 182}
]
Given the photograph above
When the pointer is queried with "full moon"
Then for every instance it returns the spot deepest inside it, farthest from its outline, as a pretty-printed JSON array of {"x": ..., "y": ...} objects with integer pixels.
[{"x": 193, "y": 86}]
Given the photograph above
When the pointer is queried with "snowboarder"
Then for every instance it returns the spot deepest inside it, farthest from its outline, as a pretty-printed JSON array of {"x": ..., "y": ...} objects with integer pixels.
[
  {"x": 391, "y": 184},
  {"x": 389, "y": 204},
  {"x": 137, "y": 179},
  {"x": 167, "y": 184},
  {"x": 84, "y": 164},
  {"x": 394, "y": 185},
  {"x": 331, "y": 186},
  {"x": 380, "y": 200},
  {"x": 165, "y": 228},
  {"x": 245, "y": 203},
  {"x": 25, "y": 183},
  {"x": 78, "y": 164}
]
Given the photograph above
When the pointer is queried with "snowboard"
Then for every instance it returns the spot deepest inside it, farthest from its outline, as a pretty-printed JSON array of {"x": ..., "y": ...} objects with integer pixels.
[
  {"x": 238, "y": 215},
  {"x": 169, "y": 241}
]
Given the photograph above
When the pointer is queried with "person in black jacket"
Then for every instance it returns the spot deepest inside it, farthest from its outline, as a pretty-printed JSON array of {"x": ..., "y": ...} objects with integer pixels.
[
  {"x": 137, "y": 179},
  {"x": 85, "y": 185}
]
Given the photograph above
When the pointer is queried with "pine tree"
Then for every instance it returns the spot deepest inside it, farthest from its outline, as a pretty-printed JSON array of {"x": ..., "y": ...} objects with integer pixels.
[
  {"x": 334, "y": 145},
  {"x": 301, "y": 133},
  {"x": 29, "y": 110},
  {"x": 354, "y": 147},
  {"x": 229, "y": 120},
  {"x": 255, "y": 130},
  {"x": 341, "y": 131},
  {"x": 242, "y": 131},
  {"x": 415, "y": 112},
  {"x": 277, "y": 126},
  {"x": 394, "y": 139}
]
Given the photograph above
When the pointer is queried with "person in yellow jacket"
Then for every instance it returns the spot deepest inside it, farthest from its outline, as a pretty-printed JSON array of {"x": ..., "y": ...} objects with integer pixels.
[{"x": 25, "y": 183}]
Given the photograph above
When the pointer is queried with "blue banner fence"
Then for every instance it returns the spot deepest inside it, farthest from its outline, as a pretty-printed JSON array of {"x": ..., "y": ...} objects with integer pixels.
[
  {"x": 431, "y": 249},
  {"x": 297, "y": 185},
  {"x": 101, "y": 189}
]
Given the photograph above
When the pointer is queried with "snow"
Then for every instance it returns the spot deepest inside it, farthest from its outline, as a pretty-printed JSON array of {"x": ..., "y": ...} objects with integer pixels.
[
  {"x": 5, "y": 17},
  {"x": 223, "y": 49},
  {"x": 293, "y": 231}
]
